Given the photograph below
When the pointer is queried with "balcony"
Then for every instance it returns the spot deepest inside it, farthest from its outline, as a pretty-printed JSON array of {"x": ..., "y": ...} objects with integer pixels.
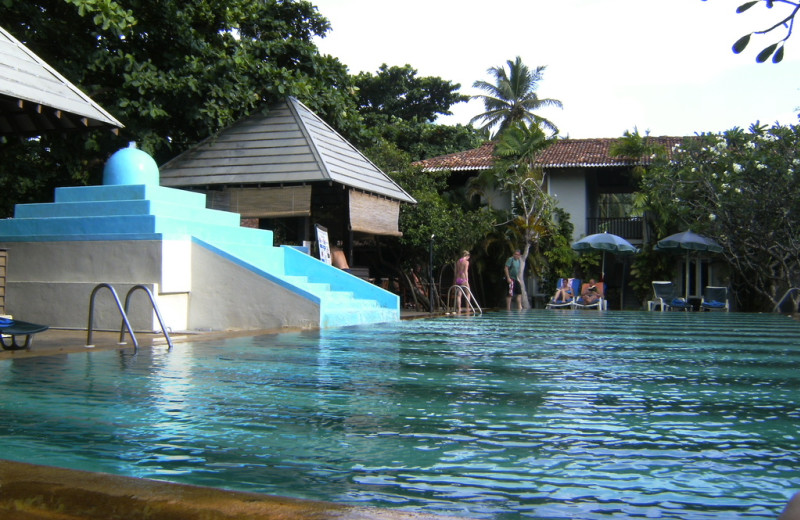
[{"x": 629, "y": 228}]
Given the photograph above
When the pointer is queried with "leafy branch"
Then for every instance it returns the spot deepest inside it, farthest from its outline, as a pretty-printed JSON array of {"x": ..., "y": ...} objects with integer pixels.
[{"x": 776, "y": 49}]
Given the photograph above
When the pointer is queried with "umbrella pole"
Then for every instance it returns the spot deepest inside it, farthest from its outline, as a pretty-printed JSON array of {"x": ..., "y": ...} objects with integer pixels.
[
  {"x": 687, "y": 278},
  {"x": 603, "y": 269}
]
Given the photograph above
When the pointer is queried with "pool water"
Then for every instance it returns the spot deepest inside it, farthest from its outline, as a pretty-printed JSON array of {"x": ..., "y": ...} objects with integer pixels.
[{"x": 538, "y": 414}]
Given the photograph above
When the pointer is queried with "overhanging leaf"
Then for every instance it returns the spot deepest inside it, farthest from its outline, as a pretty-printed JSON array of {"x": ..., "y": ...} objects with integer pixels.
[
  {"x": 744, "y": 7},
  {"x": 741, "y": 43},
  {"x": 766, "y": 53},
  {"x": 778, "y": 55}
]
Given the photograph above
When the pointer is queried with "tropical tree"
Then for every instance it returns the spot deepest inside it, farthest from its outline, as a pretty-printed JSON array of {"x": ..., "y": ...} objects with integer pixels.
[
  {"x": 742, "y": 189},
  {"x": 401, "y": 108},
  {"x": 518, "y": 174},
  {"x": 399, "y": 92},
  {"x": 512, "y": 97}
]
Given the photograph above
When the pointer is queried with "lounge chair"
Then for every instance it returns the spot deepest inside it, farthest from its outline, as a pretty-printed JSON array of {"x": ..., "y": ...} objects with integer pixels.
[
  {"x": 576, "y": 285},
  {"x": 601, "y": 304},
  {"x": 715, "y": 299},
  {"x": 14, "y": 328},
  {"x": 665, "y": 298}
]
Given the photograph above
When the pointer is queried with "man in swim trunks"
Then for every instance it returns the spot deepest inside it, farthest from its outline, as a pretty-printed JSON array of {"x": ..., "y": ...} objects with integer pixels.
[
  {"x": 462, "y": 279},
  {"x": 512, "y": 271}
]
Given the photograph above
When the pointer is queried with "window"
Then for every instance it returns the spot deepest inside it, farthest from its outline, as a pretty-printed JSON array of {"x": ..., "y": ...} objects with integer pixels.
[{"x": 615, "y": 205}]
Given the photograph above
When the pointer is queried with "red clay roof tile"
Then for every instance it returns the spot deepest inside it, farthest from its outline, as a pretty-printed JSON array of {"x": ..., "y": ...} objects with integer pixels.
[{"x": 564, "y": 153}]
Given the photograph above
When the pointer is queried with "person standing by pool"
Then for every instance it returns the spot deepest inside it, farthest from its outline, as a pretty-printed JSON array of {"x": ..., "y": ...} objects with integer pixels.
[
  {"x": 462, "y": 280},
  {"x": 512, "y": 271}
]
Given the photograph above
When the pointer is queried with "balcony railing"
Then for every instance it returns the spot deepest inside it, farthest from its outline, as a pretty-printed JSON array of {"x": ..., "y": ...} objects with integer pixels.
[{"x": 629, "y": 228}]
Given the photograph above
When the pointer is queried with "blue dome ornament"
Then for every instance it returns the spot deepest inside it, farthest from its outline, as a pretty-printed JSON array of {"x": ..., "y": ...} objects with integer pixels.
[{"x": 130, "y": 166}]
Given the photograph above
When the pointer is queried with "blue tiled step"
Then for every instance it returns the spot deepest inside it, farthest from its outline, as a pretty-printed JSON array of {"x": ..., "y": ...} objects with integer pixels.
[{"x": 126, "y": 208}]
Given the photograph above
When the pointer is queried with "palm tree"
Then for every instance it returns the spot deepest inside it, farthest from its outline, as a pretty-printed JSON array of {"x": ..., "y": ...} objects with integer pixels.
[{"x": 512, "y": 98}]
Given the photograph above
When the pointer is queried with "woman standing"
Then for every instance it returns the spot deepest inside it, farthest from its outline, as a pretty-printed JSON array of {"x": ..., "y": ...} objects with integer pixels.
[{"x": 462, "y": 280}]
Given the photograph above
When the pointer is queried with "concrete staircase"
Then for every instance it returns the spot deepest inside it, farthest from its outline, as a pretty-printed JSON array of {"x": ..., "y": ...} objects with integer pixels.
[{"x": 80, "y": 218}]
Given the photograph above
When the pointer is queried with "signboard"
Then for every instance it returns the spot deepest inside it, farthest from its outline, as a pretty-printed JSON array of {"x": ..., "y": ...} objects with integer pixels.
[{"x": 324, "y": 246}]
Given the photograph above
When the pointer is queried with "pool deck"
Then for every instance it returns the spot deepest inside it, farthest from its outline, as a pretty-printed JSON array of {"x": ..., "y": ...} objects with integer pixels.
[{"x": 33, "y": 492}]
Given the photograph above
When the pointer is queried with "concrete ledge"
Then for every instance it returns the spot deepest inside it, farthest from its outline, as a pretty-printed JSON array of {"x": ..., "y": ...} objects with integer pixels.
[{"x": 32, "y": 492}]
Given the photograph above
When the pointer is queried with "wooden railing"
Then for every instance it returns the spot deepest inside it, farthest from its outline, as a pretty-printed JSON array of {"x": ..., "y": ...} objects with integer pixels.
[{"x": 629, "y": 228}]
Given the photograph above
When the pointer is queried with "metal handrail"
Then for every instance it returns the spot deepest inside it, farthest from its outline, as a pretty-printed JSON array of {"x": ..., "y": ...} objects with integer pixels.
[
  {"x": 464, "y": 290},
  {"x": 783, "y": 298},
  {"x": 121, "y": 311},
  {"x": 155, "y": 308}
]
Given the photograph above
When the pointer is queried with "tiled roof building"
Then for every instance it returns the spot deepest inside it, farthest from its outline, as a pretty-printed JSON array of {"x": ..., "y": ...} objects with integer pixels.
[{"x": 564, "y": 153}]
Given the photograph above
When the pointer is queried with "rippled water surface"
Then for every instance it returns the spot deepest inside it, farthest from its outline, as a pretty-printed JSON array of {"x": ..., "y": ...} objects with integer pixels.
[{"x": 538, "y": 414}]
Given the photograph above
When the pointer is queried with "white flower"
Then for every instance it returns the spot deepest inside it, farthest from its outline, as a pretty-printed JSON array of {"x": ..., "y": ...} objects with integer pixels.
[
  {"x": 712, "y": 217},
  {"x": 737, "y": 168}
]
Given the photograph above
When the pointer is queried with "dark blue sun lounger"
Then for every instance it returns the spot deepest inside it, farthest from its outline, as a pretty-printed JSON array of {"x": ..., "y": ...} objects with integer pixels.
[{"x": 14, "y": 328}]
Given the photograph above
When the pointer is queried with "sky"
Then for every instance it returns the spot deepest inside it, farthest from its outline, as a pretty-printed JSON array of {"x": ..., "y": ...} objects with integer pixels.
[{"x": 659, "y": 66}]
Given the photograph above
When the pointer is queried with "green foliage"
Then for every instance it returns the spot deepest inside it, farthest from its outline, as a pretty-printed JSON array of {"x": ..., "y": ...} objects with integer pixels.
[
  {"x": 398, "y": 92},
  {"x": 649, "y": 265},
  {"x": 400, "y": 108},
  {"x": 512, "y": 98},
  {"x": 743, "y": 190}
]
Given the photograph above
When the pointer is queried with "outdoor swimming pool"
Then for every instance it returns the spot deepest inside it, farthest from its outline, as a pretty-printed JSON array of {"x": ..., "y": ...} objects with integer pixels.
[{"x": 539, "y": 414}]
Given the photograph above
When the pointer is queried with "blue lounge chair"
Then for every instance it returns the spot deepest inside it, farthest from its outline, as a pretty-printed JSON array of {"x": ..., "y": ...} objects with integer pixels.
[
  {"x": 576, "y": 286},
  {"x": 14, "y": 328},
  {"x": 664, "y": 297},
  {"x": 715, "y": 299},
  {"x": 601, "y": 304}
]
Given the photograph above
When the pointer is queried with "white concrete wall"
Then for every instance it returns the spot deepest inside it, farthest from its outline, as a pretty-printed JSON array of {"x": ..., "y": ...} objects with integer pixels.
[
  {"x": 569, "y": 189},
  {"x": 226, "y": 295},
  {"x": 52, "y": 282},
  {"x": 195, "y": 289}
]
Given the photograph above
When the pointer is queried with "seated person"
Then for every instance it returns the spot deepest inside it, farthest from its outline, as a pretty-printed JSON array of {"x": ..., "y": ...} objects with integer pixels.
[
  {"x": 591, "y": 293},
  {"x": 564, "y": 294}
]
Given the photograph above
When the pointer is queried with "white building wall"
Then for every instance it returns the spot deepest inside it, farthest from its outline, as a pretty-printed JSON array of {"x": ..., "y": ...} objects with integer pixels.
[{"x": 568, "y": 187}]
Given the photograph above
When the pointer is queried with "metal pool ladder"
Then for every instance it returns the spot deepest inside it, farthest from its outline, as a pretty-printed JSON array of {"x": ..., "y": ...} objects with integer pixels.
[
  {"x": 463, "y": 290},
  {"x": 124, "y": 312},
  {"x": 796, "y": 291}
]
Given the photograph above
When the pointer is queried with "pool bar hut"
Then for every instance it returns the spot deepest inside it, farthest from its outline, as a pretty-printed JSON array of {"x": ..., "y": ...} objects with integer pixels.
[{"x": 286, "y": 170}]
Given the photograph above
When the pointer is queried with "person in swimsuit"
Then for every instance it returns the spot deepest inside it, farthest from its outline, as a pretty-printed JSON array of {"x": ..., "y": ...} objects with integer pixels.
[
  {"x": 564, "y": 294},
  {"x": 462, "y": 279}
]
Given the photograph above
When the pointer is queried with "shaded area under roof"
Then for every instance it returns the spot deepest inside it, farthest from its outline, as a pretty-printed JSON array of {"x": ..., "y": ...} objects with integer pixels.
[
  {"x": 563, "y": 153},
  {"x": 288, "y": 144},
  {"x": 35, "y": 99}
]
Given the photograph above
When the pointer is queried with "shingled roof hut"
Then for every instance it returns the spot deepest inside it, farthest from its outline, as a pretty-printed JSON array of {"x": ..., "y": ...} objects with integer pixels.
[
  {"x": 35, "y": 99},
  {"x": 289, "y": 170}
]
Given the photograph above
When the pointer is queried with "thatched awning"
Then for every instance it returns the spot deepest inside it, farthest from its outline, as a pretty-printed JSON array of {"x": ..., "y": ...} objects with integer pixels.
[{"x": 374, "y": 215}]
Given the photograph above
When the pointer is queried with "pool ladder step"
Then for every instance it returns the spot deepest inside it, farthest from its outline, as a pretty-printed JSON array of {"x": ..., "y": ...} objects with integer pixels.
[{"x": 124, "y": 312}]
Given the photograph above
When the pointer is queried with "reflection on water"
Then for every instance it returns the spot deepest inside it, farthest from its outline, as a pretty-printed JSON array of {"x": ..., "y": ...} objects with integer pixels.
[{"x": 509, "y": 415}]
